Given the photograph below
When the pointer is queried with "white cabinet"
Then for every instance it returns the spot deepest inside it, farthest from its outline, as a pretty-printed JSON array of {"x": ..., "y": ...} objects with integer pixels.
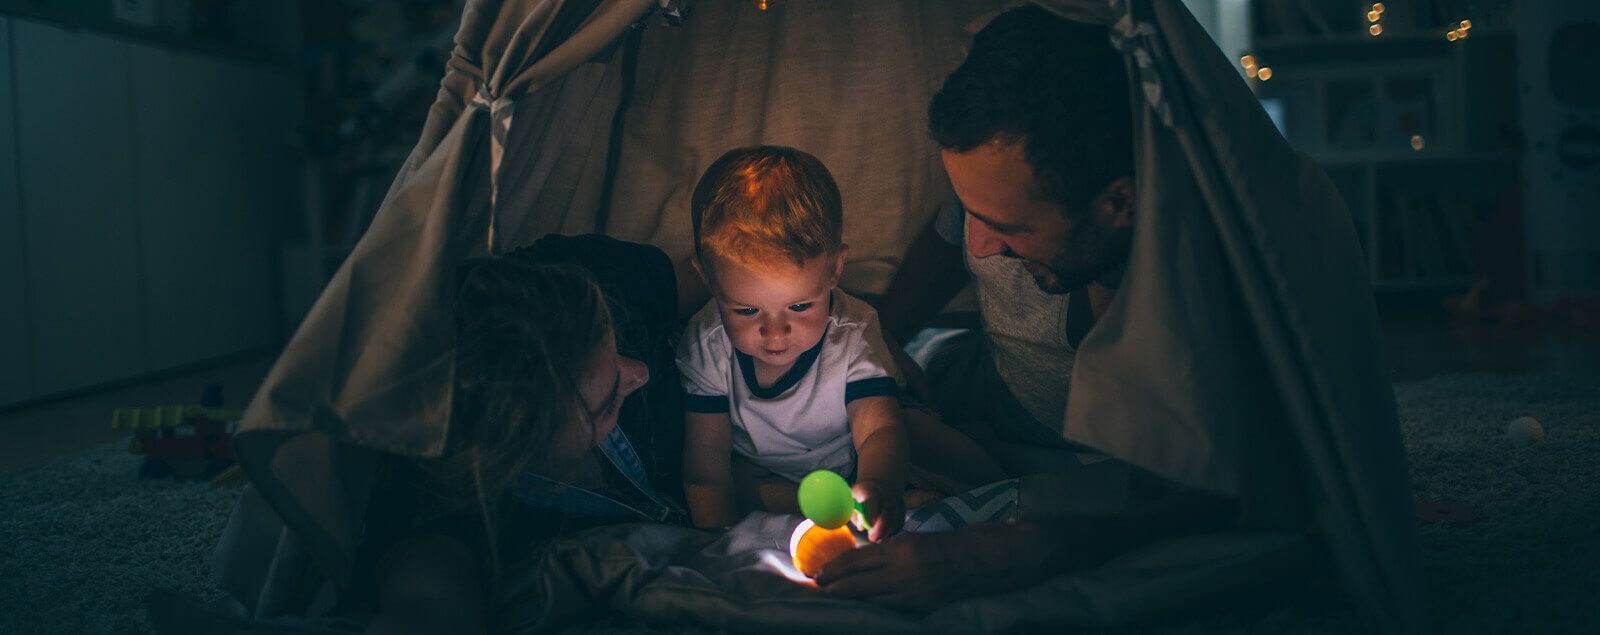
[
  {"x": 138, "y": 188},
  {"x": 16, "y": 375},
  {"x": 78, "y": 206},
  {"x": 201, "y": 158}
]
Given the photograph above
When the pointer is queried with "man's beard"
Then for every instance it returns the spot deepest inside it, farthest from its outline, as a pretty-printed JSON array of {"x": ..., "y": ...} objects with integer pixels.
[{"x": 1087, "y": 256}]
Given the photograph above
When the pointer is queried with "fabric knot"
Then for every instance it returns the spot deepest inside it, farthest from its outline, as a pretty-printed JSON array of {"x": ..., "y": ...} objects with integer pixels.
[
  {"x": 500, "y": 110},
  {"x": 1136, "y": 39}
]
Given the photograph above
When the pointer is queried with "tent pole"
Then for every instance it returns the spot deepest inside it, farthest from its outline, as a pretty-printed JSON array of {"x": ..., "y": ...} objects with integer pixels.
[{"x": 630, "y": 68}]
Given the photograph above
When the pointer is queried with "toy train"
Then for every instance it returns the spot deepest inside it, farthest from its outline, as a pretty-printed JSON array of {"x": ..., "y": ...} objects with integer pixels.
[{"x": 186, "y": 442}]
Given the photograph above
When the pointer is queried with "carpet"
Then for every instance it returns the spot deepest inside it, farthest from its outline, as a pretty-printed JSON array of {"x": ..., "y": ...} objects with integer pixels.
[{"x": 81, "y": 538}]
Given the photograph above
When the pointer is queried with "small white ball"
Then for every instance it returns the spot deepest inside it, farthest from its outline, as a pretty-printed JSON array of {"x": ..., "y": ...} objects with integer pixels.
[{"x": 1525, "y": 430}]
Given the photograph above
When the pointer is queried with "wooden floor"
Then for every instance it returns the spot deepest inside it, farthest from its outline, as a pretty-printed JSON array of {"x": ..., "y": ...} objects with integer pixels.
[{"x": 1419, "y": 346}]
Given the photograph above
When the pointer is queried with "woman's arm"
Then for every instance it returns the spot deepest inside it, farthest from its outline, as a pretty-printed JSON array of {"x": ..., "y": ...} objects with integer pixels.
[
  {"x": 881, "y": 462},
  {"x": 707, "y": 449}
]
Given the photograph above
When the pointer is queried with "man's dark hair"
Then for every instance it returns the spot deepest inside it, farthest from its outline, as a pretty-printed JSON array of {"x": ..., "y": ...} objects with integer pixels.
[{"x": 1057, "y": 86}]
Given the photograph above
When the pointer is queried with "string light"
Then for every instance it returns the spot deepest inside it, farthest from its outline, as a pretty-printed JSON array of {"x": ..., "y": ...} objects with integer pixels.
[
  {"x": 1376, "y": 30},
  {"x": 1264, "y": 73},
  {"x": 1374, "y": 15},
  {"x": 761, "y": 4},
  {"x": 1460, "y": 32},
  {"x": 1416, "y": 142},
  {"x": 1251, "y": 69}
]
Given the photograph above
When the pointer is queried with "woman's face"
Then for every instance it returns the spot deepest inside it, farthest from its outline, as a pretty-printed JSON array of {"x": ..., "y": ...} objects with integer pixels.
[{"x": 608, "y": 380}]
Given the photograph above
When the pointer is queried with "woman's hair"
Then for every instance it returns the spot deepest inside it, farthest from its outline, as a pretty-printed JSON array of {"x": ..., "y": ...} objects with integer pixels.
[
  {"x": 1053, "y": 84},
  {"x": 527, "y": 331},
  {"x": 757, "y": 204}
]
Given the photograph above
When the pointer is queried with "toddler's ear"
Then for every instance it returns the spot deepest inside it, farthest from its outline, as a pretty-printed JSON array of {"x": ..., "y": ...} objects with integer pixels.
[
  {"x": 838, "y": 265},
  {"x": 704, "y": 279}
]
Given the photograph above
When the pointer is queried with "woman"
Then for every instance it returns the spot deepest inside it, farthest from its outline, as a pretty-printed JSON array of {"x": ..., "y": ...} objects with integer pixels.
[
  {"x": 566, "y": 414},
  {"x": 569, "y": 415}
]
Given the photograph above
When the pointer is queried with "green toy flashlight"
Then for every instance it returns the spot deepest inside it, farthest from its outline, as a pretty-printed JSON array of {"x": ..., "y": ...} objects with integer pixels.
[{"x": 825, "y": 498}]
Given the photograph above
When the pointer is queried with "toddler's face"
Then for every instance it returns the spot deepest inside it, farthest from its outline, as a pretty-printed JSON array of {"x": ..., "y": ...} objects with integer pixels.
[{"x": 775, "y": 311}]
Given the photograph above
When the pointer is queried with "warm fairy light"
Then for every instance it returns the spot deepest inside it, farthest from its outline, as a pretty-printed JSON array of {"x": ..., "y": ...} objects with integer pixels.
[
  {"x": 1376, "y": 30},
  {"x": 1416, "y": 142},
  {"x": 761, "y": 4},
  {"x": 1264, "y": 73},
  {"x": 1452, "y": 36},
  {"x": 1248, "y": 62},
  {"x": 1372, "y": 16},
  {"x": 1378, "y": 7},
  {"x": 1466, "y": 24}
]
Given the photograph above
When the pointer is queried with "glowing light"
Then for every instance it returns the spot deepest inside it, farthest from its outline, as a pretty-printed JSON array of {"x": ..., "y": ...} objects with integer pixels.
[
  {"x": 1466, "y": 24},
  {"x": 1378, "y": 7},
  {"x": 784, "y": 567},
  {"x": 1452, "y": 36},
  {"x": 811, "y": 546},
  {"x": 1264, "y": 73},
  {"x": 1416, "y": 142},
  {"x": 761, "y": 4},
  {"x": 1372, "y": 16},
  {"x": 1376, "y": 30},
  {"x": 1248, "y": 61}
]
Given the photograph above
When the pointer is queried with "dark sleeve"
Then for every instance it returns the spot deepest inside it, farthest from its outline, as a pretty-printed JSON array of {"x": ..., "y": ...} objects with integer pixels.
[
  {"x": 640, "y": 287},
  {"x": 642, "y": 293}
]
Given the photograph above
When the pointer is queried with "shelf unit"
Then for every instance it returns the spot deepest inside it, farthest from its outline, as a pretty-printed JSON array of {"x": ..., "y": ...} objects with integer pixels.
[{"x": 1417, "y": 132}]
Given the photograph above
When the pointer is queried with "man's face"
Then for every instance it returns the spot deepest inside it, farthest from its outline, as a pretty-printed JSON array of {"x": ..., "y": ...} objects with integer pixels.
[{"x": 1006, "y": 216}]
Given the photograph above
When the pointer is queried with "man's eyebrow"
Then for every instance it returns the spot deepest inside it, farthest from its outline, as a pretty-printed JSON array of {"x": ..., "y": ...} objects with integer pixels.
[{"x": 995, "y": 225}]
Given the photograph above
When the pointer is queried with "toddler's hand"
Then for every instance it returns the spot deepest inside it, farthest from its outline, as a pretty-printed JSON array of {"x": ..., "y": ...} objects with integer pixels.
[{"x": 886, "y": 510}]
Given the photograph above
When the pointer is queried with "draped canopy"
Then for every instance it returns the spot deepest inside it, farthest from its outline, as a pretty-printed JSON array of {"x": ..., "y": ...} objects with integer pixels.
[{"x": 1242, "y": 354}]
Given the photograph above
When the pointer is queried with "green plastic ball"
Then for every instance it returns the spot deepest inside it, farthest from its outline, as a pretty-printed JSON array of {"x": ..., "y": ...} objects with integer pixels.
[{"x": 825, "y": 498}]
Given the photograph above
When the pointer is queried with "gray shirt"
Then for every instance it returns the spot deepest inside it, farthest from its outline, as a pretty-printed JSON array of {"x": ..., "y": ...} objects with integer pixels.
[{"x": 1025, "y": 328}]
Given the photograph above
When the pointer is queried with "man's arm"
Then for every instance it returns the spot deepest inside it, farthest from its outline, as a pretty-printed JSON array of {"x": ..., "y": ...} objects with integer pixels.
[
  {"x": 931, "y": 274},
  {"x": 924, "y": 571}
]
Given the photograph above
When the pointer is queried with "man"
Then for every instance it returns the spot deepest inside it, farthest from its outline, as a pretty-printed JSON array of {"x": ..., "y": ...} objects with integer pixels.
[
  {"x": 1210, "y": 313},
  {"x": 1039, "y": 154}
]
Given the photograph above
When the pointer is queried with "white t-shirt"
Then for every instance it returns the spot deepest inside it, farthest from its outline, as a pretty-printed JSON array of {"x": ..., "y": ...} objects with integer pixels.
[{"x": 800, "y": 423}]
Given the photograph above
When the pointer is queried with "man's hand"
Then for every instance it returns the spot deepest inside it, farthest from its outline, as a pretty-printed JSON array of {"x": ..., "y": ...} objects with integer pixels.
[
  {"x": 886, "y": 509},
  {"x": 925, "y": 571}
]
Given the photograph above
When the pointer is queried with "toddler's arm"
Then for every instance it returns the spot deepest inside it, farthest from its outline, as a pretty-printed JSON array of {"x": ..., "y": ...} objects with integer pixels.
[
  {"x": 707, "y": 450},
  {"x": 881, "y": 462}
]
